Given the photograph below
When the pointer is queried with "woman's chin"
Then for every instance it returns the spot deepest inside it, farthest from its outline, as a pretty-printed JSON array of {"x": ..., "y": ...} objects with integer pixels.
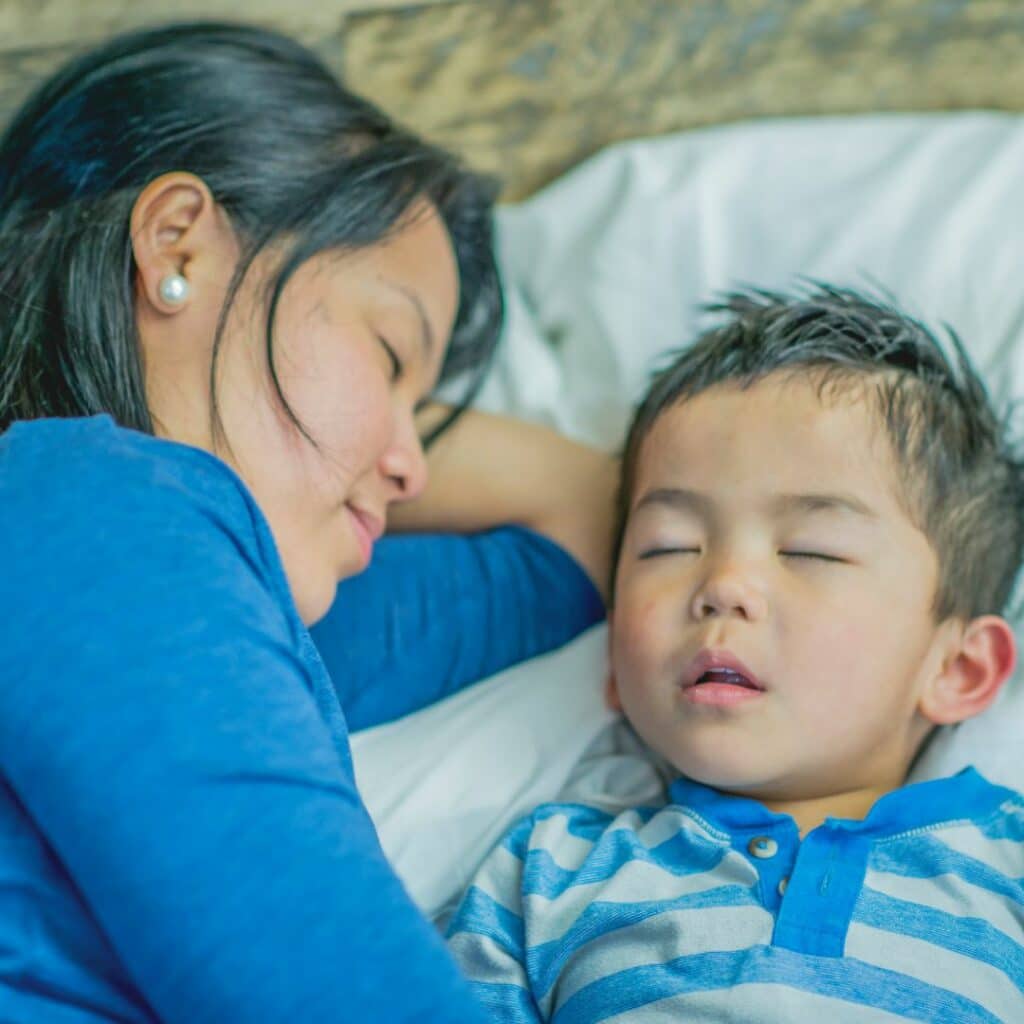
[{"x": 313, "y": 600}]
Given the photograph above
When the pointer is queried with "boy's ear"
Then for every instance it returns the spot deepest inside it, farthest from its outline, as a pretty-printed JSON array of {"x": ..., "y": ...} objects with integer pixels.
[
  {"x": 611, "y": 687},
  {"x": 611, "y": 692},
  {"x": 973, "y": 672}
]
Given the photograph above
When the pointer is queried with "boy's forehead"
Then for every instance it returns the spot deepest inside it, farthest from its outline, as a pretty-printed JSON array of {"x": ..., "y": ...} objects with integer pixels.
[{"x": 779, "y": 434}]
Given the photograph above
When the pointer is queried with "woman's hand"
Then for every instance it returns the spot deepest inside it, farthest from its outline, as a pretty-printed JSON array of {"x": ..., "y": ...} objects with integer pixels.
[{"x": 488, "y": 470}]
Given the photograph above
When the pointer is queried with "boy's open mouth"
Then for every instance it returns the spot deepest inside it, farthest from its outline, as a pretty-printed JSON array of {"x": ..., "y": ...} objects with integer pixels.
[
  {"x": 727, "y": 676},
  {"x": 717, "y": 670}
]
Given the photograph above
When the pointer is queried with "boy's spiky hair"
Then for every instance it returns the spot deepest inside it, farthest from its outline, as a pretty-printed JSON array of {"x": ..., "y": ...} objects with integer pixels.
[{"x": 962, "y": 480}]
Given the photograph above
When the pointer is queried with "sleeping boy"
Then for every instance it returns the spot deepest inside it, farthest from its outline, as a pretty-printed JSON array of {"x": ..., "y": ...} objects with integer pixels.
[{"x": 821, "y": 519}]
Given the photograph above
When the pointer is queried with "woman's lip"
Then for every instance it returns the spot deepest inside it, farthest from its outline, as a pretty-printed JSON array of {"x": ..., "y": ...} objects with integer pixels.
[{"x": 367, "y": 529}]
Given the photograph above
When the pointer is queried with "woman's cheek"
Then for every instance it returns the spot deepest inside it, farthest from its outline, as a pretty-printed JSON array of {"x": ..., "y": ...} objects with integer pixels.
[{"x": 358, "y": 432}]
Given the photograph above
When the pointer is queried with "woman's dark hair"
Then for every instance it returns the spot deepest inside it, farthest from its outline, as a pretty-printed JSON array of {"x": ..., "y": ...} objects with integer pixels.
[
  {"x": 961, "y": 477},
  {"x": 286, "y": 151}
]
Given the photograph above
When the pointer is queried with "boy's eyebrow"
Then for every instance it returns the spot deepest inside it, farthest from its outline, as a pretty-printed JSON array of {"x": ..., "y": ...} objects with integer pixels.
[
  {"x": 685, "y": 500},
  {"x": 824, "y": 503},
  {"x": 678, "y": 498}
]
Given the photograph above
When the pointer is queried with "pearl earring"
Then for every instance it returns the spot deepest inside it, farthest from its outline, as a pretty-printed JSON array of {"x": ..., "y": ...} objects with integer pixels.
[{"x": 174, "y": 289}]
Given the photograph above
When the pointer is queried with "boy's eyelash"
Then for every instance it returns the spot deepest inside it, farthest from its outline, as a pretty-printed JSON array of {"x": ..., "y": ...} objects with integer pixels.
[
  {"x": 820, "y": 556},
  {"x": 654, "y": 552},
  {"x": 811, "y": 554},
  {"x": 396, "y": 363}
]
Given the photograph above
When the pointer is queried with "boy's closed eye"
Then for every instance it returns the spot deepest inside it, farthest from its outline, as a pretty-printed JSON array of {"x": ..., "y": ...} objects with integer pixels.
[
  {"x": 818, "y": 555},
  {"x": 657, "y": 552}
]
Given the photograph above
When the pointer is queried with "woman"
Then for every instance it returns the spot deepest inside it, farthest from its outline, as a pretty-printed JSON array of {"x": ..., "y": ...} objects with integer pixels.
[{"x": 226, "y": 288}]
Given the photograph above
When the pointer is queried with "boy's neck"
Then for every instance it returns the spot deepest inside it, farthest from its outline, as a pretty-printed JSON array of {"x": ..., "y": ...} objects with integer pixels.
[{"x": 811, "y": 812}]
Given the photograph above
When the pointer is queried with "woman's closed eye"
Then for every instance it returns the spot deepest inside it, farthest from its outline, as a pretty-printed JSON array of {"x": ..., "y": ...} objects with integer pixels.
[{"x": 397, "y": 367}]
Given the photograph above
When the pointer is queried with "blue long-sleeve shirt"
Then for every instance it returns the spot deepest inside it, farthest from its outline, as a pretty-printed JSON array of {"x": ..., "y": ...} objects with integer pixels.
[{"x": 181, "y": 838}]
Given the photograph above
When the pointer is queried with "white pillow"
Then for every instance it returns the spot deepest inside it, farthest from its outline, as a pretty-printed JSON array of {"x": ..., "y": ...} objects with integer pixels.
[
  {"x": 443, "y": 784},
  {"x": 605, "y": 270}
]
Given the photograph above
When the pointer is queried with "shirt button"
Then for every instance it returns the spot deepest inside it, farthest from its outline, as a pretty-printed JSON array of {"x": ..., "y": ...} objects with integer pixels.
[
  {"x": 763, "y": 847},
  {"x": 782, "y": 886}
]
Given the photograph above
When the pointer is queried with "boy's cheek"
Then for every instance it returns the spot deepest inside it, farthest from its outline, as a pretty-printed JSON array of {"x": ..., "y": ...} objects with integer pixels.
[
  {"x": 638, "y": 633},
  {"x": 840, "y": 673}
]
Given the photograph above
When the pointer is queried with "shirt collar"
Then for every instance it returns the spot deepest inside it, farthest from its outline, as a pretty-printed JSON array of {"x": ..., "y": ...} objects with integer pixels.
[{"x": 964, "y": 796}]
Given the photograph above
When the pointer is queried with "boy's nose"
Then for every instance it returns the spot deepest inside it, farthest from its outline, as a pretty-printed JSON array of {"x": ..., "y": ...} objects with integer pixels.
[{"x": 729, "y": 592}]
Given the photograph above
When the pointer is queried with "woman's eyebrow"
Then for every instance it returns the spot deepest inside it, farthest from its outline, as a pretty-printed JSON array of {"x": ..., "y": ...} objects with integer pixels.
[{"x": 426, "y": 334}]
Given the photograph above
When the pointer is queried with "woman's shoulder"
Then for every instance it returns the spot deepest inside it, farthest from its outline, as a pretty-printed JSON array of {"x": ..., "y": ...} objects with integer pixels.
[
  {"x": 75, "y": 460},
  {"x": 69, "y": 483},
  {"x": 94, "y": 450}
]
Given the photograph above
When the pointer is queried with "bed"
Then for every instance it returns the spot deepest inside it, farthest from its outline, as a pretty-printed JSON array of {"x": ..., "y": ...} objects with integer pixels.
[
  {"x": 654, "y": 154},
  {"x": 605, "y": 269}
]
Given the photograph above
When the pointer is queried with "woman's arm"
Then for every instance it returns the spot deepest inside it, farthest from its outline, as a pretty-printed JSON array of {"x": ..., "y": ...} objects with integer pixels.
[
  {"x": 441, "y": 611},
  {"x": 161, "y": 726},
  {"x": 488, "y": 470}
]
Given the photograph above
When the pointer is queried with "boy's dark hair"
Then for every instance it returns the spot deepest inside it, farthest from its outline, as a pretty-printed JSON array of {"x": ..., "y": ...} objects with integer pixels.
[{"x": 963, "y": 484}]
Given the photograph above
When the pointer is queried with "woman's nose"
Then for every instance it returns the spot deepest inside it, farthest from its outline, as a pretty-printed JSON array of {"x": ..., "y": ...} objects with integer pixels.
[
  {"x": 730, "y": 591},
  {"x": 404, "y": 462}
]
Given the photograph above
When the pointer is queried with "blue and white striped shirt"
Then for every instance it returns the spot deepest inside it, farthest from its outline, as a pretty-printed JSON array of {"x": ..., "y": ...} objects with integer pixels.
[{"x": 713, "y": 909}]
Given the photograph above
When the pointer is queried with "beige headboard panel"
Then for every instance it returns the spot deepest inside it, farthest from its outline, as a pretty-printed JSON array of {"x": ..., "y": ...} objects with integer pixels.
[{"x": 527, "y": 88}]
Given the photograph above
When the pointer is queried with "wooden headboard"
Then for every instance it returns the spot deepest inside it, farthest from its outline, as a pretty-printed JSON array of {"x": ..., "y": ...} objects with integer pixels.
[{"x": 527, "y": 88}]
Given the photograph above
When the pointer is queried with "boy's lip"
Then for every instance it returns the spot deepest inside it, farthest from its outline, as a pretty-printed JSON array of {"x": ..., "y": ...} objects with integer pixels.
[{"x": 718, "y": 661}]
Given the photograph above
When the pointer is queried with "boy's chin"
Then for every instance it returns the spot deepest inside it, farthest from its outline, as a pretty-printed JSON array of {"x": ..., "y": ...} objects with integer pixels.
[
  {"x": 722, "y": 765},
  {"x": 738, "y": 777}
]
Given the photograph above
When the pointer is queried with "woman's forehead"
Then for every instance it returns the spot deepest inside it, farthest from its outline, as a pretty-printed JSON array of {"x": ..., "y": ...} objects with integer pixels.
[{"x": 412, "y": 272}]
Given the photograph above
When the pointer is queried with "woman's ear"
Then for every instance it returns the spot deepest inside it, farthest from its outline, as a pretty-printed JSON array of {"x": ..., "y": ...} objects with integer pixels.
[
  {"x": 980, "y": 660},
  {"x": 176, "y": 228}
]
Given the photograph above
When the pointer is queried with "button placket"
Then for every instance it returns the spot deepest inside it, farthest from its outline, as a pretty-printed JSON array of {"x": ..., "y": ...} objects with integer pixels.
[
  {"x": 822, "y": 884},
  {"x": 771, "y": 855}
]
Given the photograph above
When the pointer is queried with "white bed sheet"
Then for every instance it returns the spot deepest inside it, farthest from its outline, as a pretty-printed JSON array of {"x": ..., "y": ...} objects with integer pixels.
[{"x": 605, "y": 270}]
